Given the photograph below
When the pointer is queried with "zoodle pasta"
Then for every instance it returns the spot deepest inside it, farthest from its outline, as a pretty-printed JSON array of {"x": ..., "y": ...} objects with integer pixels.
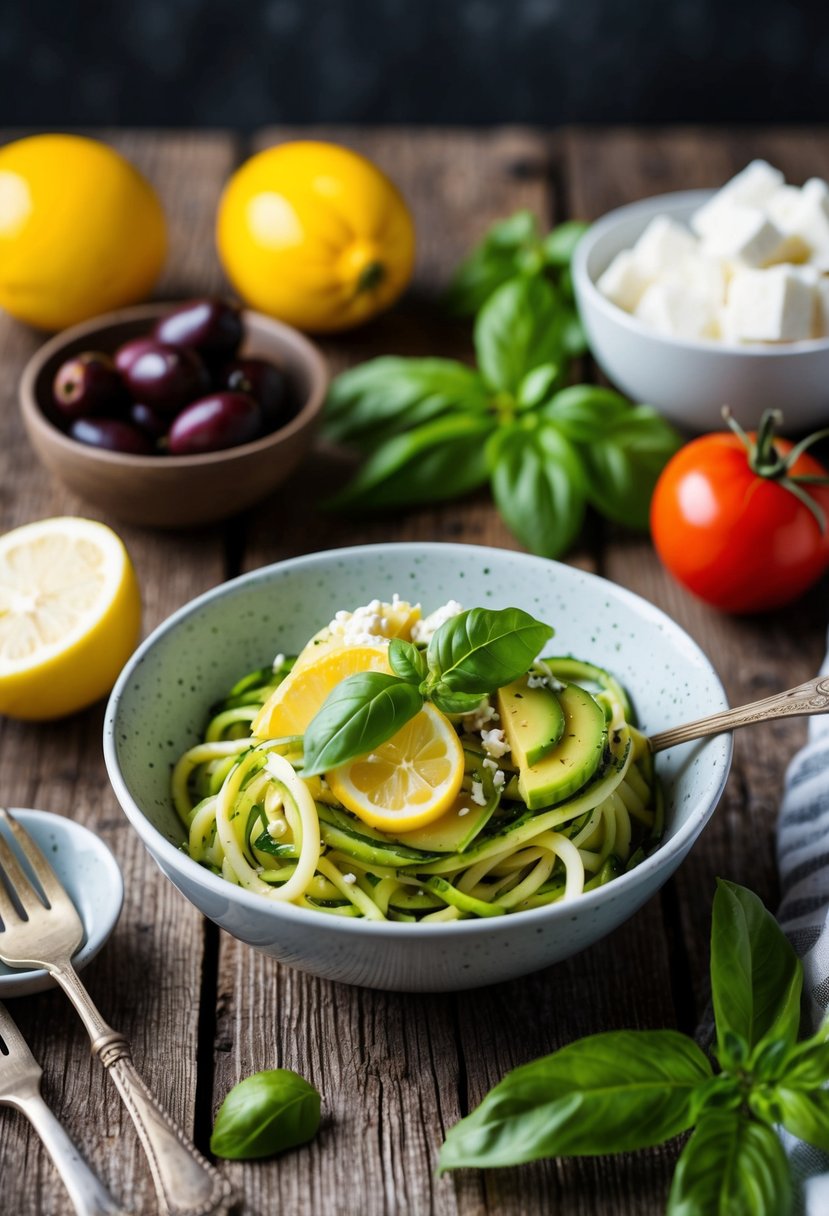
[{"x": 411, "y": 769}]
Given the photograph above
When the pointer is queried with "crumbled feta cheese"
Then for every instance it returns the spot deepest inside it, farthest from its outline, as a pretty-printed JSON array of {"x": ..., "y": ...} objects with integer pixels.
[
  {"x": 423, "y": 631},
  {"x": 478, "y": 718},
  {"x": 279, "y": 659},
  {"x": 498, "y": 779},
  {"x": 463, "y": 811},
  {"x": 370, "y": 625},
  {"x": 492, "y": 765},
  {"x": 494, "y": 742},
  {"x": 478, "y": 795},
  {"x": 537, "y": 681},
  {"x": 277, "y": 827},
  {"x": 350, "y": 879}
]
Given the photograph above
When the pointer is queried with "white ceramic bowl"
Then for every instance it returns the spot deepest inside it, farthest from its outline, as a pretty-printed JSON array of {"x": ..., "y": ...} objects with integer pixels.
[
  {"x": 687, "y": 381},
  {"x": 160, "y": 705},
  {"x": 88, "y": 871}
]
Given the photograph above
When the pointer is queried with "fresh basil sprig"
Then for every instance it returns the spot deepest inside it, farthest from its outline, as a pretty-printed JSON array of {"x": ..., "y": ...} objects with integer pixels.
[
  {"x": 431, "y": 429},
  {"x": 265, "y": 1114},
  {"x": 625, "y": 1090},
  {"x": 469, "y": 656},
  {"x": 515, "y": 248}
]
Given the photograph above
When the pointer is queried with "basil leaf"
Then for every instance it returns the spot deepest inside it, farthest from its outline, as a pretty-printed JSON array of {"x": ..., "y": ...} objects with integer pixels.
[
  {"x": 519, "y": 328},
  {"x": 804, "y": 1113},
  {"x": 609, "y": 1093},
  {"x": 560, "y": 244},
  {"x": 455, "y": 702},
  {"x": 442, "y": 459},
  {"x": 537, "y": 384},
  {"x": 266, "y": 844},
  {"x": 407, "y": 661},
  {"x": 756, "y": 977},
  {"x": 731, "y": 1165},
  {"x": 538, "y": 486},
  {"x": 266, "y": 1114},
  {"x": 389, "y": 395},
  {"x": 622, "y": 464},
  {"x": 483, "y": 649},
  {"x": 363, "y": 711},
  {"x": 492, "y": 262},
  {"x": 583, "y": 411},
  {"x": 573, "y": 335},
  {"x": 807, "y": 1064}
]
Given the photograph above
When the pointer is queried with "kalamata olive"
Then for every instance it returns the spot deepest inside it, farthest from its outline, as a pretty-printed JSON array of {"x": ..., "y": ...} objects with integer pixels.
[
  {"x": 88, "y": 384},
  {"x": 213, "y": 327},
  {"x": 112, "y": 434},
  {"x": 266, "y": 383},
  {"x": 126, "y": 354},
  {"x": 222, "y": 420},
  {"x": 167, "y": 377},
  {"x": 146, "y": 419}
]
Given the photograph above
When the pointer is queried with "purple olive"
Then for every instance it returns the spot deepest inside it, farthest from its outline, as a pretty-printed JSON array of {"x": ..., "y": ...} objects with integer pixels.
[
  {"x": 222, "y": 420},
  {"x": 126, "y": 355},
  {"x": 213, "y": 327},
  {"x": 166, "y": 377},
  {"x": 148, "y": 420},
  {"x": 266, "y": 383},
  {"x": 113, "y": 435},
  {"x": 88, "y": 384}
]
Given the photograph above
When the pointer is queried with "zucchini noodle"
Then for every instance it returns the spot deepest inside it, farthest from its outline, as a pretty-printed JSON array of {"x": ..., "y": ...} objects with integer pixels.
[{"x": 250, "y": 816}]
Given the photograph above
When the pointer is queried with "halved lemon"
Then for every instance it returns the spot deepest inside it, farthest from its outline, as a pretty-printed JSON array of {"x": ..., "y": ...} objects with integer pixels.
[
  {"x": 296, "y": 701},
  {"x": 407, "y": 782},
  {"x": 70, "y": 614}
]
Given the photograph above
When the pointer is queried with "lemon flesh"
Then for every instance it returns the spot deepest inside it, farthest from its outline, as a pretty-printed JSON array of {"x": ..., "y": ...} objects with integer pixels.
[{"x": 70, "y": 615}]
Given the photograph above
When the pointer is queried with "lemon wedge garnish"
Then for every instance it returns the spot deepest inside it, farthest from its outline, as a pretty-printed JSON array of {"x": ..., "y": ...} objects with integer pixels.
[
  {"x": 70, "y": 614},
  {"x": 410, "y": 780},
  {"x": 293, "y": 704}
]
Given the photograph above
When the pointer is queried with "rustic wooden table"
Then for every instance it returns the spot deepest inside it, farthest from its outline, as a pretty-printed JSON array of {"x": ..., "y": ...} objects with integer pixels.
[{"x": 203, "y": 1010}]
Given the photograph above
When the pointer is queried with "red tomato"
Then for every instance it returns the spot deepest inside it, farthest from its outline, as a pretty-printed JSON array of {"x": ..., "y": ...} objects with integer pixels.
[{"x": 736, "y": 537}]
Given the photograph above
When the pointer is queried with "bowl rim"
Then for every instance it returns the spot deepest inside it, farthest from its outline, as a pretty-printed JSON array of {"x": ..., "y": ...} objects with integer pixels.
[
  {"x": 311, "y": 355},
  {"x": 27, "y": 981},
  {"x": 664, "y": 203},
  {"x": 176, "y": 859}
]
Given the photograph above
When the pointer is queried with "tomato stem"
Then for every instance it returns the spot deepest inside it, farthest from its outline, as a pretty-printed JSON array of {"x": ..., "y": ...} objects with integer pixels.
[{"x": 767, "y": 461}]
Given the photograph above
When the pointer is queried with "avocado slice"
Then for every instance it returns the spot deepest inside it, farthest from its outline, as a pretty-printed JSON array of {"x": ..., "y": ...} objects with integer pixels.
[
  {"x": 452, "y": 832},
  {"x": 574, "y": 759},
  {"x": 532, "y": 719}
]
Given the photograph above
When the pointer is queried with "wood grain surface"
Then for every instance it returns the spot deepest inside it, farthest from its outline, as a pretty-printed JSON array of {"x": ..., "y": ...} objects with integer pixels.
[{"x": 203, "y": 1011}]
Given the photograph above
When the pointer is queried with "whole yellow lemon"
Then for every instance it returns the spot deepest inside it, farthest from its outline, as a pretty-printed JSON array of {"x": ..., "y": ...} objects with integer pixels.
[
  {"x": 315, "y": 235},
  {"x": 81, "y": 231}
]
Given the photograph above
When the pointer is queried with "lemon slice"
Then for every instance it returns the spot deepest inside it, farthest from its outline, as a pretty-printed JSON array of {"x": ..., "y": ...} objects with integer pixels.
[
  {"x": 409, "y": 781},
  {"x": 293, "y": 704},
  {"x": 70, "y": 614}
]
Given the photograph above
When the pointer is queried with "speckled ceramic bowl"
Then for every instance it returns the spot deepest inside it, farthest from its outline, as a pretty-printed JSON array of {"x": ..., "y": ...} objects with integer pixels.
[{"x": 161, "y": 701}]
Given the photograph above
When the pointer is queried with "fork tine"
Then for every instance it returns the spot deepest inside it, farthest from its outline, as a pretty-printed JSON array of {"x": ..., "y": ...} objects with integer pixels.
[
  {"x": 43, "y": 872},
  {"x": 18, "y": 880},
  {"x": 8, "y": 912},
  {"x": 10, "y": 1033}
]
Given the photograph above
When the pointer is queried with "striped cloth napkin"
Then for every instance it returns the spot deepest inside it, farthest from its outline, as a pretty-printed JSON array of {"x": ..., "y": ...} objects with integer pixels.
[{"x": 803, "y": 861}]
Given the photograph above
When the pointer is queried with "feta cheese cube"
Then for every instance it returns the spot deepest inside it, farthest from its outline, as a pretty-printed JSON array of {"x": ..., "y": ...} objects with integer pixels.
[
  {"x": 623, "y": 282},
  {"x": 677, "y": 310},
  {"x": 752, "y": 187},
  {"x": 705, "y": 276},
  {"x": 821, "y": 329},
  {"x": 663, "y": 243},
  {"x": 774, "y": 305},
  {"x": 782, "y": 206},
  {"x": 745, "y": 235}
]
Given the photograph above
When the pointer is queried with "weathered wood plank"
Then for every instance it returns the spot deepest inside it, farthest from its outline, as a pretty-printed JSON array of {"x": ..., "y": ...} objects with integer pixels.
[
  {"x": 395, "y": 1071},
  {"x": 754, "y": 656},
  {"x": 148, "y": 980}
]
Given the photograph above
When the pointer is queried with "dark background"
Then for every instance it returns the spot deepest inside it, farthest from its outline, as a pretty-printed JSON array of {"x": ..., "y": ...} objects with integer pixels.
[{"x": 246, "y": 63}]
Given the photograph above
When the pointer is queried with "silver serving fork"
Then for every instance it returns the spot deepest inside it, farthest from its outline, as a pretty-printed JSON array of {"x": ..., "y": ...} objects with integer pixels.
[
  {"x": 20, "y": 1076},
  {"x": 46, "y": 932}
]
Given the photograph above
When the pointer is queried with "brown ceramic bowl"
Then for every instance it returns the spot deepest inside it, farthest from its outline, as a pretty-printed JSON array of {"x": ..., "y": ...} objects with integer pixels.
[{"x": 174, "y": 491}]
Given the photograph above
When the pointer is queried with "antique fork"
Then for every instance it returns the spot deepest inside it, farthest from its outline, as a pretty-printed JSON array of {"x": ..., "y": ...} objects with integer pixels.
[
  {"x": 38, "y": 932},
  {"x": 20, "y": 1076}
]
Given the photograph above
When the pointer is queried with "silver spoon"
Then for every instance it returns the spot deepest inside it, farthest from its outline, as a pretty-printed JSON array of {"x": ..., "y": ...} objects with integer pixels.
[{"x": 809, "y": 698}]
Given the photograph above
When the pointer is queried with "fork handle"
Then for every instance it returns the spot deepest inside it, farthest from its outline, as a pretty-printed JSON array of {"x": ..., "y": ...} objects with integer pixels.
[
  {"x": 185, "y": 1184},
  {"x": 88, "y": 1195}
]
